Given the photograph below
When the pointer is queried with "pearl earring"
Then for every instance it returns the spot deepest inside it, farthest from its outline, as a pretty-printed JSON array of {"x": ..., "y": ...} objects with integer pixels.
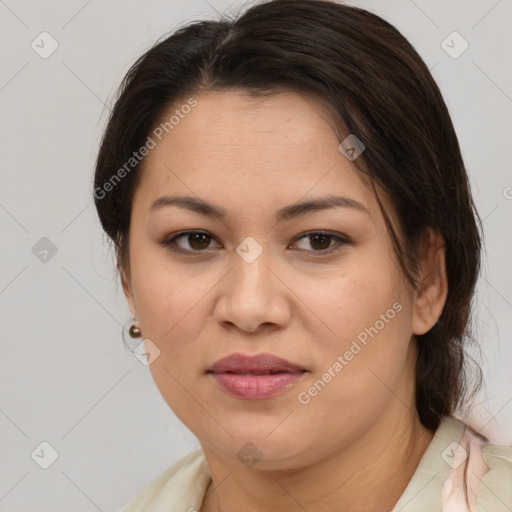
[{"x": 134, "y": 332}]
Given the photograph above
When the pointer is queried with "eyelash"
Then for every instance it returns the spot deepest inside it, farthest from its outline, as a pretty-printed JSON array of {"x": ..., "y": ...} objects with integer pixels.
[{"x": 340, "y": 241}]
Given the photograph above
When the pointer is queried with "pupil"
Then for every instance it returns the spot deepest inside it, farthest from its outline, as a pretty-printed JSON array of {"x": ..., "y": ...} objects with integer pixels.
[
  {"x": 196, "y": 238},
  {"x": 323, "y": 238}
]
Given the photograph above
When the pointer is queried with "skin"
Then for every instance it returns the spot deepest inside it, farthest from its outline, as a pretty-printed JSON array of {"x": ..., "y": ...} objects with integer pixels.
[{"x": 357, "y": 443}]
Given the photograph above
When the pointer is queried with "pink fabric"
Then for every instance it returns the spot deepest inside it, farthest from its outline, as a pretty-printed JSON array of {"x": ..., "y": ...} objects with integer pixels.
[{"x": 460, "y": 490}]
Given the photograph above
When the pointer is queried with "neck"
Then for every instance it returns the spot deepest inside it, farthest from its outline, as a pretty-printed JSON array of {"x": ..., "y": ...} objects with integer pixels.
[{"x": 370, "y": 474}]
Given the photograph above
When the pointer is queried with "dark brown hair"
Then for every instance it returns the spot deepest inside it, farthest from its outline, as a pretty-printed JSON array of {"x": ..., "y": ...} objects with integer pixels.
[{"x": 377, "y": 87}]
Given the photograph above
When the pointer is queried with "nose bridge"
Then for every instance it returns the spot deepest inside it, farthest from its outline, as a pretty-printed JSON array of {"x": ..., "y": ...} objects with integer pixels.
[
  {"x": 251, "y": 274},
  {"x": 252, "y": 295}
]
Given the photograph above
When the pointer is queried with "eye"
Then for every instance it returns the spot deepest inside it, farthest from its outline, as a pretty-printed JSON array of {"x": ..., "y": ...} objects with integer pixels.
[
  {"x": 197, "y": 241},
  {"x": 322, "y": 241}
]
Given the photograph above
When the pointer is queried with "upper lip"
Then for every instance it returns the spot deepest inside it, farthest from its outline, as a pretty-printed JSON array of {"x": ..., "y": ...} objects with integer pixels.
[{"x": 260, "y": 363}]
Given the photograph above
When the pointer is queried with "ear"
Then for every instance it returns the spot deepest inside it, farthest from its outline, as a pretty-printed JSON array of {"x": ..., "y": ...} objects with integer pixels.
[
  {"x": 126, "y": 282},
  {"x": 432, "y": 290}
]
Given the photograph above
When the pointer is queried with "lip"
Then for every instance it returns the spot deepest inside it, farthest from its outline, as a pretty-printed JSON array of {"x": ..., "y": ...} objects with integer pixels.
[
  {"x": 247, "y": 377},
  {"x": 259, "y": 363}
]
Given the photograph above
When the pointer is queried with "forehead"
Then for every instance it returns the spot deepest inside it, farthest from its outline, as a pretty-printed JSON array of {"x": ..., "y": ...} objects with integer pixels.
[
  {"x": 233, "y": 120},
  {"x": 276, "y": 148},
  {"x": 266, "y": 113}
]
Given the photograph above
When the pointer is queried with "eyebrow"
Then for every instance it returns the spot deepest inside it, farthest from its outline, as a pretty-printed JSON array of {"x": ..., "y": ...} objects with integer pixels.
[{"x": 286, "y": 213}]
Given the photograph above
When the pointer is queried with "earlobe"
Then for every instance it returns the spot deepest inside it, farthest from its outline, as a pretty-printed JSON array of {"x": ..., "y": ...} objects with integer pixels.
[{"x": 430, "y": 295}]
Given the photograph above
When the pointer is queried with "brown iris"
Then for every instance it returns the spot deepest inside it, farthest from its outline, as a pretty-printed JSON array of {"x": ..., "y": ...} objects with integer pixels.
[
  {"x": 324, "y": 241},
  {"x": 200, "y": 239}
]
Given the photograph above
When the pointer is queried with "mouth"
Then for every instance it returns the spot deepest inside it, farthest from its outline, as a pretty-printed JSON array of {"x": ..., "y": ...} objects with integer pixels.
[
  {"x": 256, "y": 377},
  {"x": 269, "y": 372},
  {"x": 254, "y": 364}
]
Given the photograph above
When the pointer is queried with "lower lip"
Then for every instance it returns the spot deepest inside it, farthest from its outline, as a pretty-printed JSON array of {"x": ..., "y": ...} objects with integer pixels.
[{"x": 256, "y": 387}]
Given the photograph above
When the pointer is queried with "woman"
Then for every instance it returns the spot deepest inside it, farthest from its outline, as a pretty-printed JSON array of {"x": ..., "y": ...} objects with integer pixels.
[{"x": 299, "y": 248}]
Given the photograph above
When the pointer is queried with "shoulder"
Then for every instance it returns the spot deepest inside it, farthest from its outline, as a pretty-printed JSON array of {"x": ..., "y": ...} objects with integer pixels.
[
  {"x": 179, "y": 488},
  {"x": 460, "y": 471},
  {"x": 487, "y": 472},
  {"x": 495, "y": 490}
]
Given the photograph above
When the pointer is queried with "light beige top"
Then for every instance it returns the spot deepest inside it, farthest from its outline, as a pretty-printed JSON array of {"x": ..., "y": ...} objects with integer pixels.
[{"x": 459, "y": 472}]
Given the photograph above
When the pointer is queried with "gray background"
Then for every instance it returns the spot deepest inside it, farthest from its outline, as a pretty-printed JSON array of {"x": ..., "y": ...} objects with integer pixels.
[{"x": 65, "y": 376}]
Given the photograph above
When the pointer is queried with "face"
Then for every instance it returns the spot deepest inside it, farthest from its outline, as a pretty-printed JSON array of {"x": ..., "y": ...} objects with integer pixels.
[{"x": 318, "y": 287}]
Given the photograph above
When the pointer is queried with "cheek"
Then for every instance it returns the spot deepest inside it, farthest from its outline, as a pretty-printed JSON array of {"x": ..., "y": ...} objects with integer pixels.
[
  {"x": 173, "y": 306},
  {"x": 369, "y": 314},
  {"x": 172, "y": 310},
  {"x": 167, "y": 297},
  {"x": 354, "y": 296},
  {"x": 365, "y": 358}
]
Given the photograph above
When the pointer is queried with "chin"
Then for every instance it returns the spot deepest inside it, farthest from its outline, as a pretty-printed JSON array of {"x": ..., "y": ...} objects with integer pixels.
[{"x": 255, "y": 448}]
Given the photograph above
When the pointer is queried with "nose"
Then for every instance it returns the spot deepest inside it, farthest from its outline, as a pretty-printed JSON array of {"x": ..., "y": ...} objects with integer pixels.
[{"x": 254, "y": 297}]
